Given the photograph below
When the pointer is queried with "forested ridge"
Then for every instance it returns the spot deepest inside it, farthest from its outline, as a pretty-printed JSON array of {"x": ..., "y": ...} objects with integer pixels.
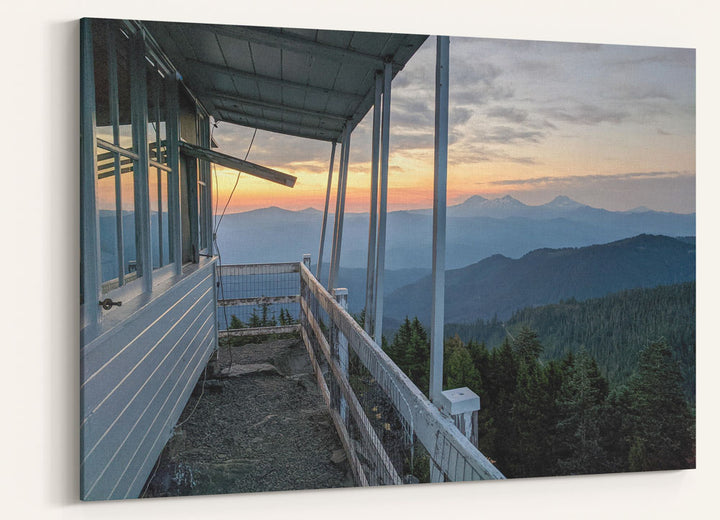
[
  {"x": 613, "y": 329},
  {"x": 561, "y": 416}
]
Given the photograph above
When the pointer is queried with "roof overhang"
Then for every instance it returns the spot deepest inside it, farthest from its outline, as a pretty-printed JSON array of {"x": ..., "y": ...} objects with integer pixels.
[{"x": 300, "y": 82}]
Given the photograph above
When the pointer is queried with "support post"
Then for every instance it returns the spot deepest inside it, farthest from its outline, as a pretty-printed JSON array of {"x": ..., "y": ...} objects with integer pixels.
[
  {"x": 372, "y": 231},
  {"x": 193, "y": 208},
  {"x": 173, "y": 153},
  {"x": 207, "y": 178},
  {"x": 318, "y": 271},
  {"x": 340, "y": 210},
  {"x": 340, "y": 351},
  {"x": 89, "y": 227},
  {"x": 333, "y": 246},
  {"x": 138, "y": 66},
  {"x": 382, "y": 221},
  {"x": 115, "y": 120},
  {"x": 439, "y": 214}
]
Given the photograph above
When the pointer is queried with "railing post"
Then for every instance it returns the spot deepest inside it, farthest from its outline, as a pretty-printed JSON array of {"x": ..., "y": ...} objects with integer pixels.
[
  {"x": 462, "y": 404},
  {"x": 318, "y": 272},
  {"x": 304, "y": 294},
  {"x": 340, "y": 349}
]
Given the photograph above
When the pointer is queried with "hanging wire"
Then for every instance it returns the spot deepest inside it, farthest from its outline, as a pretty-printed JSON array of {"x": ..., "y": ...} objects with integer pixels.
[
  {"x": 217, "y": 224},
  {"x": 237, "y": 179}
]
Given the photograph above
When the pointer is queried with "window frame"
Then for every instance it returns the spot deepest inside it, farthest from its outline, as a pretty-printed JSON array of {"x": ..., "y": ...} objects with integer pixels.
[{"x": 142, "y": 51}]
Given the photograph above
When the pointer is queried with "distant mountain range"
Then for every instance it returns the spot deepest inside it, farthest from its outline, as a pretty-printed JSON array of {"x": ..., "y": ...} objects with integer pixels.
[
  {"x": 498, "y": 285},
  {"x": 476, "y": 228}
]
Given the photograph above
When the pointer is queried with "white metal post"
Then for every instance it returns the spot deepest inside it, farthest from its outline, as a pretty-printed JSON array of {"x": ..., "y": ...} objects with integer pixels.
[
  {"x": 173, "y": 153},
  {"x": 340, "y": 216},
  {"x": 207, "y": 178},
  {"x": 142, "y": 192},
  {"x": 333, "y": 246},
  {"x": 318, "y": 271},
  {"x": 115, "y": 120},
  {"x": 341, "y": 349},
  {"x": 382, "y": 222},
  {"x": 439, "y": 210},
  {"x": 88, "y": 209},
  {"x": 372, "y": 231}
]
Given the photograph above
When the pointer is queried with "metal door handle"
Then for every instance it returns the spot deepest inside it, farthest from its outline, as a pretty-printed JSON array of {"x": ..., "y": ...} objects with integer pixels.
[{"x": 107, "y": 304}]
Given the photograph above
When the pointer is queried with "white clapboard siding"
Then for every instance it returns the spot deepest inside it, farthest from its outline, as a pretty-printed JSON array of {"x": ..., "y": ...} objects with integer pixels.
[{"x": 136, "y": 380}]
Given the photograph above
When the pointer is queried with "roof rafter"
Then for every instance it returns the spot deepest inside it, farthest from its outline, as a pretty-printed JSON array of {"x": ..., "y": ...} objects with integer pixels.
[
  {"x": 274, "y": 125},
  {"x": 224, "y": 96},
  {"x": 222, "y": 69},
  {"x": 293, "y": 42}
]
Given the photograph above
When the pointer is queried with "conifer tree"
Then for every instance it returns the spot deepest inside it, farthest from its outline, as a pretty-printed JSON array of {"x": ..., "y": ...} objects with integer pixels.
[
  {"x": 235, "y": 322},
  {"x": 664, "y": 429},
  {"x": 582, "y": 407},
  {"x": 460, "y": 370},
  {"x": 255, "y": 320}
]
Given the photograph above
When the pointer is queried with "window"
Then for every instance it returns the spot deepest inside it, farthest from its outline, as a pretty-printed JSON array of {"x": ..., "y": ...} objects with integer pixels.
[
  {"x": 116, "y": 158},
  {"x": 142, "y": 203},
  {"x": 203, "y": 190},
  {"x": 162, "y": 253}
]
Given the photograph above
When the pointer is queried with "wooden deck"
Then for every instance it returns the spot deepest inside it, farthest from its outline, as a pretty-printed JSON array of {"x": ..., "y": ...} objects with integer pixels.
[{"x": 264, "y": 428}]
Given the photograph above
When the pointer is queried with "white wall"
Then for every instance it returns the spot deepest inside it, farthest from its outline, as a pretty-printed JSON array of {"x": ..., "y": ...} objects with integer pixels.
[{"x": 39, "y": 205}]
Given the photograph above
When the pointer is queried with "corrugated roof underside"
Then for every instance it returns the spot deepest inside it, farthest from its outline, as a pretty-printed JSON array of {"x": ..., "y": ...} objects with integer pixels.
[{"x": 300, "y": 82}]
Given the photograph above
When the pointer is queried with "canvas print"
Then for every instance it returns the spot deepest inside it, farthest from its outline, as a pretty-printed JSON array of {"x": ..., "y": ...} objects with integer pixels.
[{"x": 316, "y": 258}]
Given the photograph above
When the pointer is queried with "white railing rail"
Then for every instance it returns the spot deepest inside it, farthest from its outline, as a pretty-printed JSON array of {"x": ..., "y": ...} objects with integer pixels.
[{"x": 452, "y": 454}]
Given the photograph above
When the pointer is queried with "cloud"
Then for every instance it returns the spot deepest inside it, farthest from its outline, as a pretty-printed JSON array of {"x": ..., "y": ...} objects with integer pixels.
[
  {"x": 567, "y": 179},
  {"x": 469, "y": 153},
  {"x": 510, "y": 114},
  {"x": 506, "y": 134},
  {"x": 585, "y": 114},
  {"x": 270, "y": 148},
  {"x": 645, "y": 92},
  {"x": 658, "y": 55}
]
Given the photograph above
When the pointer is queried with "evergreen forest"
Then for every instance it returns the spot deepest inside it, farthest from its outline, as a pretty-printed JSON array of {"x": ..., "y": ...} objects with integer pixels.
[
  {"x": 547, "y": 406},
  {"x": 613, "y": 329}
]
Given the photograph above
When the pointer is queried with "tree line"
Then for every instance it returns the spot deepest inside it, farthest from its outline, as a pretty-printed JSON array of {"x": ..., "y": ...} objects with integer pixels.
[
  {"x": 613, "y": 329},
  {"x": 262, "y": 316},
  {"x": 543, "y": 417}
]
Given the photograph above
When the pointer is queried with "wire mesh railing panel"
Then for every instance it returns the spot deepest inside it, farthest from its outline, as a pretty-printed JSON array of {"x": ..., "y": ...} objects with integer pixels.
[
  {"x": 396, "y": 409},
  {"x": 390, "y": 431},
  {"x": 367, "y": 453},
  {"x": 258, "y": 295}
]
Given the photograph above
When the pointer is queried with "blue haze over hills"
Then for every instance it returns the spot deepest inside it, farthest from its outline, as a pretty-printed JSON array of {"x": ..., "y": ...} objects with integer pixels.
[
  {"x": 483, "y": 238},
  {"x": 476, "y": 229}
]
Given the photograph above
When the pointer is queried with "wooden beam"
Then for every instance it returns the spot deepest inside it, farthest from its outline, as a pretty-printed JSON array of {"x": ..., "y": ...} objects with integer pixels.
[
  {"x": 251, "y": 269},
  {"x": 260, "y": 331},
  {"x": 260, "y": 300},
  {"x": 228, "y": 161}
]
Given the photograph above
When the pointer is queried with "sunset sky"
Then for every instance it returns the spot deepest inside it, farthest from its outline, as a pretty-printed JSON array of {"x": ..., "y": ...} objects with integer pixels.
[{"x": 607, "y": 125}]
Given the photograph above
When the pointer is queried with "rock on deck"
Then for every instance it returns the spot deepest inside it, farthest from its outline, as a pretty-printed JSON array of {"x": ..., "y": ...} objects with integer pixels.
[{"x": 260, "y": 425}]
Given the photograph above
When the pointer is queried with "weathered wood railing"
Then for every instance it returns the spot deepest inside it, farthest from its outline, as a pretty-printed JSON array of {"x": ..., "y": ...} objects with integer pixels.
[{"x": 332, "y": 336}]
